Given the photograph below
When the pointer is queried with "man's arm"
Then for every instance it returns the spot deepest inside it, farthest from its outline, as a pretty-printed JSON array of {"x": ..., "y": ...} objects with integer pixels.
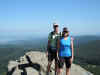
[
  {"x": 48, "y": 44},
  {"x": 58, "y": 47}
]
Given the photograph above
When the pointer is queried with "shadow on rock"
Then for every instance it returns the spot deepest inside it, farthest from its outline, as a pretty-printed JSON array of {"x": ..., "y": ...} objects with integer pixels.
[
  {"x": 11, "y": 72},
  {"x": 35, "y": 66},
  {"x": 23, "y": 67}
]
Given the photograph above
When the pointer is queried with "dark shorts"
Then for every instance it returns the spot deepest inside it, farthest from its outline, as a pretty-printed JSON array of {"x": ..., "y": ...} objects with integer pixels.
[
  {"x": 65, "y": 60},
  {"x": 52, "y": 56}
]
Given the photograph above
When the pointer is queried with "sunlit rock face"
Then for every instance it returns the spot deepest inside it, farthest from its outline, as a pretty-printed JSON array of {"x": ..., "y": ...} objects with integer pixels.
[{"x": 35, "y": 63}]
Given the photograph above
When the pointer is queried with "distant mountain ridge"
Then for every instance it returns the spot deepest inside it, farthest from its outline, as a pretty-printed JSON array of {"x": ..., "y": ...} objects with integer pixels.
[
  {"x": 85, "y": 39},
  {"x": 89, "y": 51},
  {"x": 30, "y": 41}
]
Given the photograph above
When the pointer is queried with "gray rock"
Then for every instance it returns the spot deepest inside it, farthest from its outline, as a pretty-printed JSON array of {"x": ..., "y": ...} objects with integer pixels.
[{"x": 35, "y": 63}]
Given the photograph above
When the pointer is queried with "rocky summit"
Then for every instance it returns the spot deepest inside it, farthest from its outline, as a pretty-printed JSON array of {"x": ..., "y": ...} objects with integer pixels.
[{"x": 35, "y": 63}]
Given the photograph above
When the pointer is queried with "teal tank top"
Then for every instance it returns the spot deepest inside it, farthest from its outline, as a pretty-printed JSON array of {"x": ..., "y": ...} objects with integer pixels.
[{"x": 65, "y": 47}]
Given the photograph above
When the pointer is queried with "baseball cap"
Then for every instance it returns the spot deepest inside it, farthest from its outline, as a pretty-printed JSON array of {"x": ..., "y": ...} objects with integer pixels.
[{"x": 55, "y": 25}]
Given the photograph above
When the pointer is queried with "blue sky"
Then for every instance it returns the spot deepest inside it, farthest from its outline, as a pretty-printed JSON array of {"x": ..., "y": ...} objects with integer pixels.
[{"x": 35, "y": 17}]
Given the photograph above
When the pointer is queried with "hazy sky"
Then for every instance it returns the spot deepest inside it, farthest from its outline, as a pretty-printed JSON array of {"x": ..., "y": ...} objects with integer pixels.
[{"x": 35, "y": 17}]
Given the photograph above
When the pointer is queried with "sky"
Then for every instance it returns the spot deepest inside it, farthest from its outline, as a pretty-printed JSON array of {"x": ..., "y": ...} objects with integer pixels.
[{"x": 23, "y": 18}]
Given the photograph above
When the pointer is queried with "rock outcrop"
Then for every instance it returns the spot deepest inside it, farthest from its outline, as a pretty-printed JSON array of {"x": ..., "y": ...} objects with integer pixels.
[{"x": 35, "y": 63}]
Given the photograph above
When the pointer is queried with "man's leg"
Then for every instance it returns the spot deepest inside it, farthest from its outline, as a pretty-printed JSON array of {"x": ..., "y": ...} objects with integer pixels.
[
  {"x": 49, "y": 66},
  {"x": 50, "y": 59},
  {"x": 56, "y": 67}
]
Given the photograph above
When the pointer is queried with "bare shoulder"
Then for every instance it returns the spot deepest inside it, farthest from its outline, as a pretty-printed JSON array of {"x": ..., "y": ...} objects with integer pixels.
[{"x": 72, "y": 38}]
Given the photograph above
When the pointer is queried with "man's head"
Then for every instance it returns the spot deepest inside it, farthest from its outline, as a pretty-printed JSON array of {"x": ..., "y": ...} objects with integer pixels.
[{"x": 55, "y": 27}]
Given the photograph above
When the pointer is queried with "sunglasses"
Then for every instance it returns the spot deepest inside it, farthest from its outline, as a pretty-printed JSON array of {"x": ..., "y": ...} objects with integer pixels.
[
  {"x": 56, "y": 26},
  {"x": 65, "y": 31}
]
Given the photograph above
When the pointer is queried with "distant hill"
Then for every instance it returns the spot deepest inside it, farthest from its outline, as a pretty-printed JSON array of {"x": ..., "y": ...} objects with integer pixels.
[
  {"x": 42, "y": 42},
  {"x": 30, "y": 43},
  {"x": 7, "y": 53},
  {"x": 85, "y": 39},
  {"x": 90, "y": 52}
]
